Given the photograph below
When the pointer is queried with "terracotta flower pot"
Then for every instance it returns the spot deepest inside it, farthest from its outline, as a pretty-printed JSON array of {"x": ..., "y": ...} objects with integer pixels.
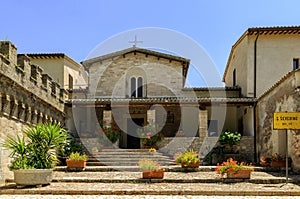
[
  {"x": 76, "y": 163},
  {"x": 241, "y": 174},
  {"x": 278, "y": 163},
  {"x": 192, "y": 165},
  {"x": 149, "y": 147},
  {"x": 153, "y": 174}
]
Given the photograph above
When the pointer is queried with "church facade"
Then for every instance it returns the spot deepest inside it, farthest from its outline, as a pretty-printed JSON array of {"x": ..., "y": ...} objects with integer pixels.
[{"x": 137, "y": 86}]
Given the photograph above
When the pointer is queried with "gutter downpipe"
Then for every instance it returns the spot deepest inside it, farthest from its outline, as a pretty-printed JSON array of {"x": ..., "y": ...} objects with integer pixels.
[{"x": 254, "y": 96}]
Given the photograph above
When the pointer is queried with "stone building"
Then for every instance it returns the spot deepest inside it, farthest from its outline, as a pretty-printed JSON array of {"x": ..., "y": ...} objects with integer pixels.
[
  {"x": 65, "y": 71},
  {"x": 264, "y": 63},
  {"x": 135, "y": 86}
]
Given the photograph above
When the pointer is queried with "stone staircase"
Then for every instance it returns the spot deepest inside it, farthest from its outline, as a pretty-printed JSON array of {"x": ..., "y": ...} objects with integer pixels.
[{"x": 126, "y": 159}]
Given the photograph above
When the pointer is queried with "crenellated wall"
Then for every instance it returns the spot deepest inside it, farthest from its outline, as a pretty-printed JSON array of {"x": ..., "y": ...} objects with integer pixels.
[{"x": 27, "y": 97}]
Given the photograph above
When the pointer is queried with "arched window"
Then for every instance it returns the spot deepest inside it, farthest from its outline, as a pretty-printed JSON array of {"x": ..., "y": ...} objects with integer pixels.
[
  {"x": 140, "y": 87},
  {"x": 133, "y": 87},
  {"x": 136, "y": 87}
]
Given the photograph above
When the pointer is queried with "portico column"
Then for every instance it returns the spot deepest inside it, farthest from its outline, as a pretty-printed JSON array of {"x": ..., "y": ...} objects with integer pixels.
[
  {"x": 203, "y": 124},
  {"x": 151, "y": 116},
  {"x": 107, "y": 117}
]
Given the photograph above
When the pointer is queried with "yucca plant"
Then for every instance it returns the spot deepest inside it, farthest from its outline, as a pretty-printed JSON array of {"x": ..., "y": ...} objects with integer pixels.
[{"x": 38, "y": 147}]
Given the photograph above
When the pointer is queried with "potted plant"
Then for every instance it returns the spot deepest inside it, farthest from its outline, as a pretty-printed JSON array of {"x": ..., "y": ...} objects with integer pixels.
[
  {"x": 35, "y": 154},
  {"x": 95, "y": 151},
  {"x": 188, "y": 159},
  {"x": 71, "y": 146},
  {"x": 233, "y": 169},
  {"x": 278, "y": 160},
  {"x": 275, "y": 160},
  {"x": 151, "y": 169},
  {"x": 149, "y": 136},
  {"x": 76, "y": 161},
  {"x": 152, "y": 151},
  {"x": 228, "y": 139}
]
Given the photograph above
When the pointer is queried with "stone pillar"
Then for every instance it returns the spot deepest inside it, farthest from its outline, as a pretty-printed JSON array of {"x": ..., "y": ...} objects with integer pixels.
[
  {"x": 150, "y": 116},
  {"x": 107, "y": 117},
  {"x": 203, "y": 124}
]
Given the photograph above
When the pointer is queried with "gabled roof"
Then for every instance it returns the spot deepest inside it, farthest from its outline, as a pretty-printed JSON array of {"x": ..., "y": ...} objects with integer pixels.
[
  {"x": 52, "y": 56},
  {"x": 185, "y": 62},
  {"x": 276, "y": 30}
]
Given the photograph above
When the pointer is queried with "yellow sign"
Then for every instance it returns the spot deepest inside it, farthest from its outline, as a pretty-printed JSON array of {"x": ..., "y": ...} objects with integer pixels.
[{"x": 285, "y": 120}]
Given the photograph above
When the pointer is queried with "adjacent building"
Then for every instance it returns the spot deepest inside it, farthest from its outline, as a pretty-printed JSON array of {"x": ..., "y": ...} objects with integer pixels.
[{"x": 264, "y": 63}]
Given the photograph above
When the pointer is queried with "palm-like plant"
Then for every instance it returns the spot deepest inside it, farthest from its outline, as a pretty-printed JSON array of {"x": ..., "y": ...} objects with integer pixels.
[{"x": 40, "y": 147}]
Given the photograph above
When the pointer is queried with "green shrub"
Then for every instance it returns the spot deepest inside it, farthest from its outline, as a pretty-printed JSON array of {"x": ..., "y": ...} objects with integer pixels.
[
  {"x": 39, "y": 151},
  {"x": 229, "y": 138}
]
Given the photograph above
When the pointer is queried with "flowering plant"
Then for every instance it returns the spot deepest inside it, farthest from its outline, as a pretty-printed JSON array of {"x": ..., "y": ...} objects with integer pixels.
[
  {"x": 277, "y": 157},
  {"x": 112, "y": 131},
  {"x": 149, "y": 165},
  {"x": 149, "y": 135},
  {"x": 266, "y": 160},
  {"x": 232, "y": 165},
  {"x": 186, "y": 158}
]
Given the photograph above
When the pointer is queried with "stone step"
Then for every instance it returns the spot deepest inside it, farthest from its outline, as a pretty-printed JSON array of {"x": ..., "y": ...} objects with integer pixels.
[
  {"x": 126, "y": 157},
  {"x": 120, "y": 156},
  {"x": 125, "y": 150},
  {"x": 126, "y": 153},
  {"x": 123, "y": 163}
]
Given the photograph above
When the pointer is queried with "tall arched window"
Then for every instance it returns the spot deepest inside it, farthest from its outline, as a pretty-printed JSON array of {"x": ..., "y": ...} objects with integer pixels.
[
  {"x": 136, "y": 87},
  {"x": 133, "y": 87},
  {"x": 140, "y": 87}
]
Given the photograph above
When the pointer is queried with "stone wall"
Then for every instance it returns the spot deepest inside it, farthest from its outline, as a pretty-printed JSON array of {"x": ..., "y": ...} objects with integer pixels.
[
  {"x": 26, "y": 97},
  {"x": 282, "y": 97},
  {"x": 173, "y": 145},
  {"x": 162, "y": 77}
]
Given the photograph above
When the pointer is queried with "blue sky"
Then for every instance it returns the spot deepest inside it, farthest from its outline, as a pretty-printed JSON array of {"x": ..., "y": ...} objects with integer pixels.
[{"x": 76, "y": 27}]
